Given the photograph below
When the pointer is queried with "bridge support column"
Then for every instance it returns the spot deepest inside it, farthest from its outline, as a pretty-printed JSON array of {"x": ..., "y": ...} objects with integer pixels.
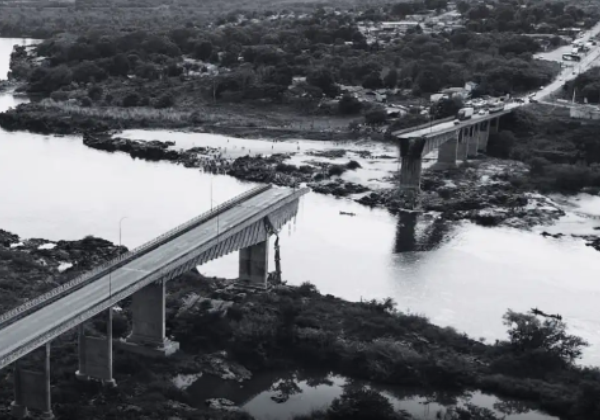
[
  {"x": 485, "y": 135},
  {"x": 495, "y": 125},
  {"x": 462, "y": 146},
  {"x": 447, "y": 154},
  {"x": 148, "y": 332},
  {"x": 32, "y": 390},
  {"x": 473, "y": 141},
  {"x": 96, "y": 355},
  {"x": 254, "y": 264},
  {"x": 411, "y": 151}
]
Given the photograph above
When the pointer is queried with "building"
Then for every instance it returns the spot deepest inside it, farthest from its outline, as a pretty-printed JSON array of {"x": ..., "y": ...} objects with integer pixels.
[{"x": 399, "y": 26}]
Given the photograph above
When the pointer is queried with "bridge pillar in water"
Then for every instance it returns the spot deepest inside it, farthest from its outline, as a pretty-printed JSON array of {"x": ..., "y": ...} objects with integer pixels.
[
  {"x": 148, "y": 330},
  {"x": 411, "y": 151},
  {"x": 96, "y": 355},
  {"x": 32, "y": 390},
  {"x": 462, "y": 144},
  {"x": 254, "y": 264},
  {"x": 447, "y": 153},
  {"x": 472, "y": 143}
]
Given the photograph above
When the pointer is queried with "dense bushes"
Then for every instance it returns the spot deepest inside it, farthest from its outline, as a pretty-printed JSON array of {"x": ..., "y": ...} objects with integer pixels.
[{"x": 563, "y": 154}]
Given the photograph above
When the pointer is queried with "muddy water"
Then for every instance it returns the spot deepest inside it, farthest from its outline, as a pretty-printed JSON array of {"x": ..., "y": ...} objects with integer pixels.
[{"x": 457, "y": 274}]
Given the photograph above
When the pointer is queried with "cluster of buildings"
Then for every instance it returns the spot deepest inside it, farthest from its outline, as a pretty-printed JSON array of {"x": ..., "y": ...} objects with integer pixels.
[{"x": 426, "y": 22}]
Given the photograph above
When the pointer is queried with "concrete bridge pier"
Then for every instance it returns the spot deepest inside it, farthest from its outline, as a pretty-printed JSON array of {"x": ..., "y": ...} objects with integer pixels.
[
  {"x": 447, "y": 154},
  {"x": 96, "y": 355},
  {"x": 494, "y": 125},
  {"x": 473, "y": 142},
  {"x": 254, "y": 264},
  {"x": 484, "y": 130},
  {"x": 148, "y": 331},
  {"x": 411, "y": 151},
  {"x": 32, "y": 390},
  {"x": 463, "y": 143}
]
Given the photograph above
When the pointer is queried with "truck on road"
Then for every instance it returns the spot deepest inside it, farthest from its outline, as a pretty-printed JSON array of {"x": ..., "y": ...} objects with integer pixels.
[{"x": 463, "y": 114}]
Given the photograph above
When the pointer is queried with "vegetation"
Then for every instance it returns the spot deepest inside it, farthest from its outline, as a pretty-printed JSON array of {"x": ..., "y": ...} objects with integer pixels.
[
  {"x": 253, "y": 59},
  {"x": 585, "y": 87},
  {"x": 564, "y": 154}
]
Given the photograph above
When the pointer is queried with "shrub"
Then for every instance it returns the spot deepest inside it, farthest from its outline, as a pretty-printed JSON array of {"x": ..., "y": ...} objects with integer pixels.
[
  {"x": 349, "y": 105},
  {"x": 376, "y": 116},
  {"x": 131, "y": 100},
  {"x": 165, "y": 101},
  {"x": 95, "y": 93},
  {"x": 528, "y": 334}
]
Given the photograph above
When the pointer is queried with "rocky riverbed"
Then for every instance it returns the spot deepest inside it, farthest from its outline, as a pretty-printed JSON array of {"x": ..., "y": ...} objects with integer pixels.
[
  {"x": 483, "y": 191},
  {"x": 480, "y": 191}
]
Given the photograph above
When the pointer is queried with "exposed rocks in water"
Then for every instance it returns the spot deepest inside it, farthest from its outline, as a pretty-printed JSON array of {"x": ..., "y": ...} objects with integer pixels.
[
  {"x": 222, "y": 404},
  {"x": 590, "y": 240},
  {"x": 332, "y": 154},
  {"x": 273, "y": 169},
  {"x": 338, "y": 188},
  {"x": 480, "y": 192},
  {"x": 156, "y": 150}
]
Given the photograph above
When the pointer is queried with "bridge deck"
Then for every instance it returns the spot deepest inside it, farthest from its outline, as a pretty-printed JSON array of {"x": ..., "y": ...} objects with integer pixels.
[
  {"x": 450, "y": 126},
  {"x": 46, "y": 318}
]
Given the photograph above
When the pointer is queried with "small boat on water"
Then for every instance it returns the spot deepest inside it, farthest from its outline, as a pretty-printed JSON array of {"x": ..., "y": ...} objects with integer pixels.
[{"x": 344, "y": 213}]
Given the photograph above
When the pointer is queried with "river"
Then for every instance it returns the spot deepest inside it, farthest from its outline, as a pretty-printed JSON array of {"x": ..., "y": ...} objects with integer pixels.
[{"x": 457, "y": 274}]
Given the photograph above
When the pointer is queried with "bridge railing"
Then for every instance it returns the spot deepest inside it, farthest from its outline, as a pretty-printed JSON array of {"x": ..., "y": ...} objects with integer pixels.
[
  {"x": 109, "y": 266},
  {"x": 422, "y": 126}
]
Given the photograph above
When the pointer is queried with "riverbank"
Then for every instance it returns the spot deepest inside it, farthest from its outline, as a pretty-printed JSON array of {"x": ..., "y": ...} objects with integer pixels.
[{"x": 228, "y": 332}]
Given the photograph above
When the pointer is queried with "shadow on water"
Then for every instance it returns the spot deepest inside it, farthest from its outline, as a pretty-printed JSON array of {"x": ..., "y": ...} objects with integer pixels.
[
  {"x": 417, "y": 232},
  {"x": 284, "y": 394}
]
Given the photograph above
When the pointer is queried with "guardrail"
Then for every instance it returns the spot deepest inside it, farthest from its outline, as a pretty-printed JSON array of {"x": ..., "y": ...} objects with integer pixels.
[
  {"x": 14, "y": 314},
  {"x": 422, "y": 126}
]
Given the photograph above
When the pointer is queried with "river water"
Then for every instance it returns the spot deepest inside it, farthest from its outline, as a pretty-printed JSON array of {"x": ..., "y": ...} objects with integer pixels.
[{"x": 458, "y": 274}]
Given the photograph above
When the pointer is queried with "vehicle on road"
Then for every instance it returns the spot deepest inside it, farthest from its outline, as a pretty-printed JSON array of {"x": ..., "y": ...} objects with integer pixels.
[
  {"x": 482, "y": 112},
  {"x": 465, "y": 113}
]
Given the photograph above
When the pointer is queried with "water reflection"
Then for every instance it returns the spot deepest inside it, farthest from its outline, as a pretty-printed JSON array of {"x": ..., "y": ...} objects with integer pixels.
[
  {"x": 416, "y": 232},
  {"x": 283, "y": 394}
]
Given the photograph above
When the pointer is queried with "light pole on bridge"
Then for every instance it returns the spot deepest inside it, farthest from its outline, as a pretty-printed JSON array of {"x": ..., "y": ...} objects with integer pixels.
[{"x": 110, "y": 272}]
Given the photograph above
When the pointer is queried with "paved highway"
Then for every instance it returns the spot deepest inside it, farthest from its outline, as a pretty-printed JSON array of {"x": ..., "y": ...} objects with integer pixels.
[
  {"x": 566, "y": 74},
  {"x": 26, "y": 329}
]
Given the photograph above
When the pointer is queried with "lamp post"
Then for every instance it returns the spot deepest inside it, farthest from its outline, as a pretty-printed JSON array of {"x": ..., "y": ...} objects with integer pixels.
[{"x": 110, "y": 272}]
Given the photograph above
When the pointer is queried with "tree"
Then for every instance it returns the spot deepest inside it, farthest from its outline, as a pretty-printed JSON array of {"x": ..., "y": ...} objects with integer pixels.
[
  {"x": 528, "y": 334},
  {"x": 133, "y": 99},
  {"x": 165, "y": 101},
  {"x": 372, "y": 81},
  {"x": 203, "y": 50},
  {"x": 119, "y": 65},
  {"x": 501, "y": 144},
  {"x": 446, "y": 107},
  {"x": 361, "y": 404},
  {"x": 95, "y": 93},
  {"x": 88, "y": 71},
  {"x": 349, "y": 105},
  {"x": 323, "y": 79},
  {"x": 391, "y": 79},
  {"x": 376, "y": 116}
]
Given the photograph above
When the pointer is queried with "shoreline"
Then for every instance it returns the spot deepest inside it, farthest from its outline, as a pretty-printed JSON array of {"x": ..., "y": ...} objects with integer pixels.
[{"x": 222, "y": 329}]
